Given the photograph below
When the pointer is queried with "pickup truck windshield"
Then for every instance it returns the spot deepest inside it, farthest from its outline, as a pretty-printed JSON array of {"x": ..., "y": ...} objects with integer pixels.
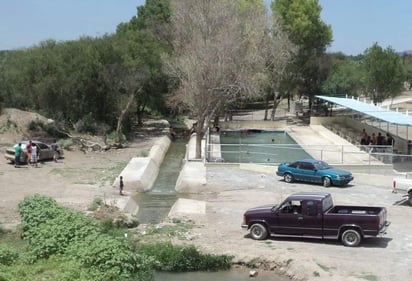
[{"x": 327, "y": 203}]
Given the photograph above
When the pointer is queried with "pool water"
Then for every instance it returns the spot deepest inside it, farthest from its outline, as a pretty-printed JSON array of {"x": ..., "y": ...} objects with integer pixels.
[{"x": 260, "y": 146}]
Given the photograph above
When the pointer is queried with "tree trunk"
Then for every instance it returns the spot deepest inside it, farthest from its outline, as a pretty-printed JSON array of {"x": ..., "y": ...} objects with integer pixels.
[
  {"x": 266, "y": 108},
  {"x": 200, "y": 132},
  {"x": 121, "y": 117}
]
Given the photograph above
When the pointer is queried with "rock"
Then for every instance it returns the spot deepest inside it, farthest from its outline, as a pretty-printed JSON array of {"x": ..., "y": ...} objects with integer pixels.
[{"x": 253, "y": 273}]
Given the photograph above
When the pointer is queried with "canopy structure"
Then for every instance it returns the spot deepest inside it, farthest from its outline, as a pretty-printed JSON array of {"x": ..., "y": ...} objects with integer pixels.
[{"x": 377, "y": 112}]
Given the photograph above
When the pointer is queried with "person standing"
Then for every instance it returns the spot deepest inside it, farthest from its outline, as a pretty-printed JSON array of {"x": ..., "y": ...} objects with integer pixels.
[
  {"x": 28, "y": 148},
  {"x": 54, "y": 148},
  {"x": 121, "y": 185},
  {"x": 363, "y": 137},
  {"x": 34, "y": 155},
  {"x": 17, "y": 154}
]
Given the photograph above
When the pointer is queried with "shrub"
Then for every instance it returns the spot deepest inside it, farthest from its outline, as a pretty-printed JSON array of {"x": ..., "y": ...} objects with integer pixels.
[
  {"x": 8, "y": 256},
  {"x": 55, "y": 235},
  {"x": 183, "y": 258},
  {"x": 110, "y": 257},
  {"x": 37, "y": 209}
]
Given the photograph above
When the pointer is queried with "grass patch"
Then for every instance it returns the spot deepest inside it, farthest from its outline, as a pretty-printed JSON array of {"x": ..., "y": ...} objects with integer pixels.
[
  {"x": 289, "y": 261},
  {"x": 324, "y": 268},
  {"x": 177, "y": 228},
  {"x": 316, "y": 274},
  {"x": 369, "y": 277},
  {"x": 101, "y": 176}
]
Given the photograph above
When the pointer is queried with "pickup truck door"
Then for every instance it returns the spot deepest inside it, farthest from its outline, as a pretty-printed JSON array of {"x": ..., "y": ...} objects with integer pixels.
[
  {"x": 288, "y": 220},
  {"x": 312, "y": 219}
]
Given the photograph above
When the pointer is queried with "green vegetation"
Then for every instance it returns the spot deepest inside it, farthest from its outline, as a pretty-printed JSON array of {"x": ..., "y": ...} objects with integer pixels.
[
  {"x": 63, "y": 244},
  {"x": 183, "y": 258},
  {"x": 325, "y": 268}
]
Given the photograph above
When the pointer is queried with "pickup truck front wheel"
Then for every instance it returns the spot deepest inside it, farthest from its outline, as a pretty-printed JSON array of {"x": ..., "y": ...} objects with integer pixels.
[
  {"x": 410, "y": 198},
  {"x": 351, "y": 238},
  {"x": 258, "y": 231}
]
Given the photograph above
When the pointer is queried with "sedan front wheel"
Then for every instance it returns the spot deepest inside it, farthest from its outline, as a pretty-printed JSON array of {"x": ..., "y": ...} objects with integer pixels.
[
  {"x": 288, "y": 178},
  {"x": 326, "y": 182}
]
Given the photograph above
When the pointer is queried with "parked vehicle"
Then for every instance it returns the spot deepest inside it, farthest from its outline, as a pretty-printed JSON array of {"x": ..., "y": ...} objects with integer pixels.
[
  {"x": 313, "y": 215},
  {"x": 44, "y": 150},
  {"x": 403, "y": 186},
  {"x": 316, "y": 171}
]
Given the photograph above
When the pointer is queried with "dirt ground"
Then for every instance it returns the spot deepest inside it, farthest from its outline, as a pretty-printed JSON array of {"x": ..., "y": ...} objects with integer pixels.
[{"x": 80, "y": 177}]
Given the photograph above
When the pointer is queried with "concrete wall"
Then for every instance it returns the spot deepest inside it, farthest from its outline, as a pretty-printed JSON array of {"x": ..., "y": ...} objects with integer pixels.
[
  {"x": 234, "y": 125},
  {"x": 141, "y": 172}
]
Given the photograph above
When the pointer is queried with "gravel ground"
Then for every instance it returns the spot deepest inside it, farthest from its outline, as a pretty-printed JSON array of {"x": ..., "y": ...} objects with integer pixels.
[{"x": 384, "y": 258}]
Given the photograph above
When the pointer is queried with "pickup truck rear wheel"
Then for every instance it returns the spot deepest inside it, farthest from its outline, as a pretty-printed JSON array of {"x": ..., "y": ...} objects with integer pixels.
[
  {"x": 351, "y": 238},
  {"x": 288, "y": 178},
  {"x": 326, "y": 182},
  {"x": 258, "y": 231}
]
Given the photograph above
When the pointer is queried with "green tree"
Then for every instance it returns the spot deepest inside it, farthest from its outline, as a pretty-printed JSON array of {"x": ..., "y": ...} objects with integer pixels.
[
  {"x": 301, "y": 21},
  {"x": 344, "y": 77},
  {"x": 383, "y": 72}
]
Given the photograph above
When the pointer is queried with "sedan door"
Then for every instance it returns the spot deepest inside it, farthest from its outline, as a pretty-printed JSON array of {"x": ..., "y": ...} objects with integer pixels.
[
  {"x": 45, "y": 151},
  {"x": 308, "y": 172}
]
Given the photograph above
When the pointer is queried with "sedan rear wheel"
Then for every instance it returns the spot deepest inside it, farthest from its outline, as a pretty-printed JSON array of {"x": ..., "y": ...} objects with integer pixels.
[
  {"x": 288, "y": 178},
  {"x": 326, "y": 182},
  {"x": 258, "y": 231}
]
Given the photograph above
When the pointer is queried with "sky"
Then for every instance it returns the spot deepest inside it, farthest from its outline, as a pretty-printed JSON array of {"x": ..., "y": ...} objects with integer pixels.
[{"x": 356, "y": 24}]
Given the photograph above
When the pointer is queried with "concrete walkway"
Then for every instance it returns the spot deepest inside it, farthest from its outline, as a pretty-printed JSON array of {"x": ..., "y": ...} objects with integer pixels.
[{"x": 323, "y": 144}]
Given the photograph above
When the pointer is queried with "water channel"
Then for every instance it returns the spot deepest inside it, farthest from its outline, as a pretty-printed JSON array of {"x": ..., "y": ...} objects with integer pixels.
[{"x": 155, "y": 205}]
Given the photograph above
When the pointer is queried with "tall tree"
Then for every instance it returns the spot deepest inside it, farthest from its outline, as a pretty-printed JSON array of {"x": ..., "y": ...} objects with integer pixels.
[
  {"x": 217, "y": 56},
  {"x": 344, "y": 77},
  {"x": 301, "y": 20},
  {"x": 384, "y": 73}
]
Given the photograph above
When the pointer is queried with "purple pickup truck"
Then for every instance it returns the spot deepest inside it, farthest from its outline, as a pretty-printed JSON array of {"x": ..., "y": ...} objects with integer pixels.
[{"x": 313, "y": 215}]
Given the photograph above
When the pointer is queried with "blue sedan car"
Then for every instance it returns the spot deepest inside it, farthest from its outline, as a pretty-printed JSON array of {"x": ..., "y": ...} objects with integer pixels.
[{"x": 316, "y": 171}]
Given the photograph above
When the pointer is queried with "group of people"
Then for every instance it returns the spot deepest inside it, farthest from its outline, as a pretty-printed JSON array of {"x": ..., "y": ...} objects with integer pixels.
[
  {"x": 376, "y": 140},
  {"x": 32, "y": 153}
]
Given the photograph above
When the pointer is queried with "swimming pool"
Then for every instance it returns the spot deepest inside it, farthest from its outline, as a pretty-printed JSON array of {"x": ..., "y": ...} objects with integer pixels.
[{"x": 260, "y": 146}]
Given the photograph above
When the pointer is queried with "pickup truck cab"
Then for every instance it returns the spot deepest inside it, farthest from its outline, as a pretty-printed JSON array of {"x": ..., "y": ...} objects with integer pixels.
[
  {"x": 313, "y": 215},
  {"x": 403, "y": 186}
]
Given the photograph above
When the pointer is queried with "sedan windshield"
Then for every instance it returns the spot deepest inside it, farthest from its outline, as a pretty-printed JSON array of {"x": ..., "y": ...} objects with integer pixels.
[{"x": 322, "y": 165}]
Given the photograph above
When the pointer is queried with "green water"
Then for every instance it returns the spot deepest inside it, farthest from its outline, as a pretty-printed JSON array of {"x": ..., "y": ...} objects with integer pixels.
[{"x": 260, "y": 146}]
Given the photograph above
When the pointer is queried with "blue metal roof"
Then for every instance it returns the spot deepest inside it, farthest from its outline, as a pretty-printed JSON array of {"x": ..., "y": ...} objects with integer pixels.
[{"x": 380, "y": 113}]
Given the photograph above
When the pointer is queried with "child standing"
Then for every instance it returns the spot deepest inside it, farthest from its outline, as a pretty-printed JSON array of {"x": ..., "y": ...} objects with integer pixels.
[
  {"x": 34, "y": 156},
  {"x": 121, "y": 185}
]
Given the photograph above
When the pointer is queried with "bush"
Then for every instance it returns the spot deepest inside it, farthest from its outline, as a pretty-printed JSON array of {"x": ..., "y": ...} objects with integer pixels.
[
  {"x": 55, "y": 235},
  {"x": 183, "y": 258},
  {"x": 37, "y": 209},
  {"x": 8, "y": 256},
  {"x": 110, "y": 257}
]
